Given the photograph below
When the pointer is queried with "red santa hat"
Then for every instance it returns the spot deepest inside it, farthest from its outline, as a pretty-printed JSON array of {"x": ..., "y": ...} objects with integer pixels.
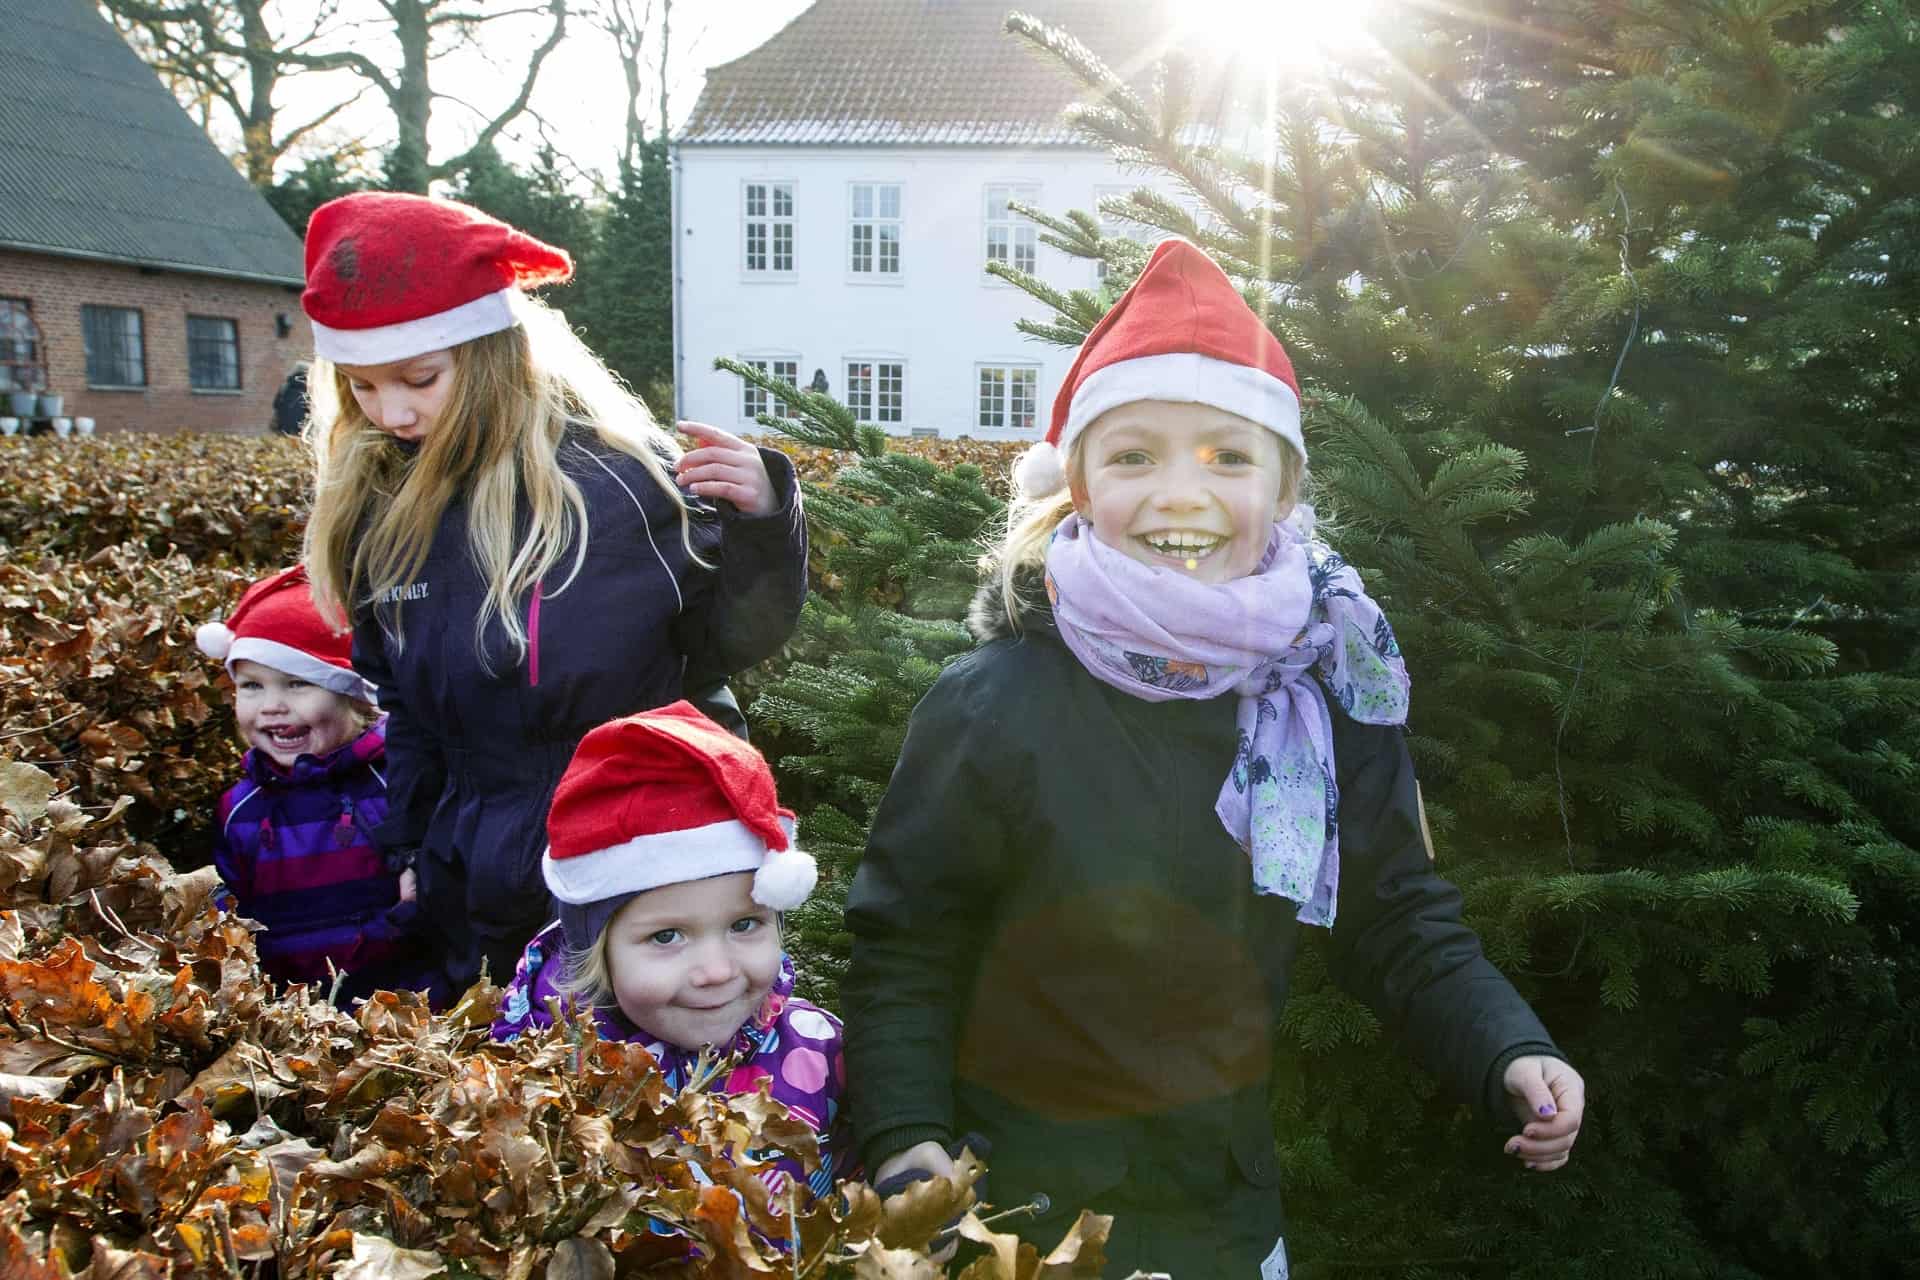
[
  {"x": 1181, "y": 333},
  {"x": 277, "y": 625},
  {"x": 392, "y": 275},
  {"x": 659, "y": 798}
]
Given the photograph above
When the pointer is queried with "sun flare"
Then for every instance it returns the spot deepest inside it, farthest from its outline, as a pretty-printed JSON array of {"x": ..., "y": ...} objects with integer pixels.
[{"x": 1289, "y": 32}]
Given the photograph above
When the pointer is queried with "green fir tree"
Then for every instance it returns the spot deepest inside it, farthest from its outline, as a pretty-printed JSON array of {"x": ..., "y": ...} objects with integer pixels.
[{"x": 1603, "y": 313}]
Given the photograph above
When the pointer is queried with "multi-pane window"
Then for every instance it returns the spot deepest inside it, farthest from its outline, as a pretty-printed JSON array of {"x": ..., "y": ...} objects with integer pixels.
[
  {"x": 769, "y": 223},
  {"x": 213, "y": 353},
  {"x": 1009, "y": 396},
  {"x": 1011, "y": 238},
  {"x": 20, "y": 360},
  {"x": 874, "y": 232},
  {"x": 116, "y": 353},
  {"x": 754, "y": 401},
  {"x": 876, "y": 390}
]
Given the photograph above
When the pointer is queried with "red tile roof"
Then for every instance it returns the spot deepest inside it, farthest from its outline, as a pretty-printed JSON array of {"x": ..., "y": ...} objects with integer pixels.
[{"x": 918, "y": 71}]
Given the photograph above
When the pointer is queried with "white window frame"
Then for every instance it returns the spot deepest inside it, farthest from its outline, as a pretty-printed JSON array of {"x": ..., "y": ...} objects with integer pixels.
[
  {"x": 759, "y": 212},
  {"x": 876, "y": 224},
  {"x": 750, "y": 395},
  {"x": 1006, "y": 369},
  {"x": 867, "y": 406},
  {"x": 1020, "y": 232}
]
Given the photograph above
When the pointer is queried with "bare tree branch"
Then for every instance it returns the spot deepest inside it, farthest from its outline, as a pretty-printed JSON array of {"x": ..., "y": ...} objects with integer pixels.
[{"x": 558, "y": 8}]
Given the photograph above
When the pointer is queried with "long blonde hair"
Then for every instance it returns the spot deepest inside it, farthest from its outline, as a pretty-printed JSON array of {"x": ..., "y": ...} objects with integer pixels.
[
  {"x": 375, "y": 511},
  {"x": 1016, "y": 563}
]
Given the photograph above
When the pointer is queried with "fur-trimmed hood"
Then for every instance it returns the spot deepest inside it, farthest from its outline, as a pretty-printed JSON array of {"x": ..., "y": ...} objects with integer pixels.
[{"x": 987, "y": 618}]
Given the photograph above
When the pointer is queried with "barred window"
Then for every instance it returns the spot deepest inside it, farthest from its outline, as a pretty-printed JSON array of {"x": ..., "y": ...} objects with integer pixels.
[
  {"x": 1012, "y": 238},
  {"x": 116, "y": 346},
  {"x": 20, "y": 359},
  {"x": 213, "y": 353},
  {"x": 876, "y": 391},
  {"x": 874, "y": 236},
  {"x": 1009, "y": 395},
  {"x": 769, "y": 224},
  {"x": 754, "y": 401}
]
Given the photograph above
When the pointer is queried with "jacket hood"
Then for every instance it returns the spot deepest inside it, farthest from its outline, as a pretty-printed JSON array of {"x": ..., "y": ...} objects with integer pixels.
[{"x": 987, "y": 618}]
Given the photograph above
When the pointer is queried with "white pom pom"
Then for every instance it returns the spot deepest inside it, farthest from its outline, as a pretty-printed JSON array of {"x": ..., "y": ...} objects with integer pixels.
[
  {"x": 214, "y": 639},
  {"x": 1040, "y": 471},
  {"x": 785, "y": 879}
]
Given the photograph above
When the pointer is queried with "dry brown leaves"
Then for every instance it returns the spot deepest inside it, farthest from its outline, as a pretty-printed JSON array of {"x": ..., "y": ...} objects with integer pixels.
[
  {"x": 100, "y": 682},
  {"x": 164, "y": 1113},
  {"x": 210, "y": 497}
]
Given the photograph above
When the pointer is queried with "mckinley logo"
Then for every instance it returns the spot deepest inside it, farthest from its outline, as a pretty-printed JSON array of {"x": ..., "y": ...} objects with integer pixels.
[{"x": 394, "y": 595}]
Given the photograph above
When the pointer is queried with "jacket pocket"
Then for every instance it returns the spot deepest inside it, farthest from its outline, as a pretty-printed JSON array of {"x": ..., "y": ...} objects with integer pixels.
[{"x": 1071, "y": 1164}]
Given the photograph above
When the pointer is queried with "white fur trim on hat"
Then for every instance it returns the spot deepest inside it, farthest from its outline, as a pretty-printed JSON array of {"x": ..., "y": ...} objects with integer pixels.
[
  {"x": 215, "y": 639},
  {"x": 667, "y": 857},
  {"x": 300, "y": 664},
  {"x": 489, "y": 313},
  {"x": 785, "y": 879},
  {"x": 1188, "y": 377},
  {"x": 1040, "y": 471}
]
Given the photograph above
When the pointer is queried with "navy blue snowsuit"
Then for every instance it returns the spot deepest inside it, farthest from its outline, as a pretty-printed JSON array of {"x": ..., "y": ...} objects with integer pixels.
[{"x": 476, "y": 745}]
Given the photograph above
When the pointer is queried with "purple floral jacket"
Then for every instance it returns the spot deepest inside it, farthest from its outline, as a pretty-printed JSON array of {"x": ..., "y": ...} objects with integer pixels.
[{"x": 791, "y": 1042}]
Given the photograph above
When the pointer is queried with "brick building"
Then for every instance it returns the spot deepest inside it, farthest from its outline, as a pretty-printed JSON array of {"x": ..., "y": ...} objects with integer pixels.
[{"x": 141, "y": 277}]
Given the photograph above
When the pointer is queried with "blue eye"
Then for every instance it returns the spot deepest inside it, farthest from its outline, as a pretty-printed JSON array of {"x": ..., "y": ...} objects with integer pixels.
[
  {"x": 1231, "y": 458},
  {"x": 1131, "y": 458},
  {"x": 747, "y": 924},
  {"x": 664, "y": 937}
]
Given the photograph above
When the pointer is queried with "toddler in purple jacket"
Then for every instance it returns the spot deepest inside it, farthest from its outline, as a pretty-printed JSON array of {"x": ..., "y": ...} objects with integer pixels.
[
  {"x": 671, "y": 859},
  {"x": 292, "y": 844}
]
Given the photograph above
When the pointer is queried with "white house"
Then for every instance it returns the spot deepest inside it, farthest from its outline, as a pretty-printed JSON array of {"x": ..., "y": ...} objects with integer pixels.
[{"x": 838, "y": 190}]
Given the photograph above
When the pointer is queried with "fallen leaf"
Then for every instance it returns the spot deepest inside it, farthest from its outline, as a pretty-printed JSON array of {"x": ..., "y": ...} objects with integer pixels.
[
  {"x": 378, "y": 1258},
  {"x": 25, "y": 790}
]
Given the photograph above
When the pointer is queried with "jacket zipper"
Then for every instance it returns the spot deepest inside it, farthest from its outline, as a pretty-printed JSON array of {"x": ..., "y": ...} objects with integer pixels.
[{"x": 533, "y": 637}]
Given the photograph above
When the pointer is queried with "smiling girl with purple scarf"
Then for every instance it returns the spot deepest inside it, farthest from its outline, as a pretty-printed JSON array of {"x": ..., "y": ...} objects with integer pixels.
[{"x": 1181, "y": 745}]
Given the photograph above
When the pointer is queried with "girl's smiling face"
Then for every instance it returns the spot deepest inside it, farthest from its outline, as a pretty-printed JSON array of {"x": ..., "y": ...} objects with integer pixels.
[
  {"x": 1185, "y": 487},
  {"x": 691, "y": 962},
  {"x": 405, "y": 398},
  {"x": 285, "y": 717}
]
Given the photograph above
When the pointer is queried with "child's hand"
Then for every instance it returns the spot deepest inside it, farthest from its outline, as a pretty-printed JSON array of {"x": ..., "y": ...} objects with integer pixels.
[
  {"x": 930, "y": 1156},
  {"x": 725, "y": 466},
  {"x": 409, "y": 885},
  {"x": 1550, "y": 1099}
]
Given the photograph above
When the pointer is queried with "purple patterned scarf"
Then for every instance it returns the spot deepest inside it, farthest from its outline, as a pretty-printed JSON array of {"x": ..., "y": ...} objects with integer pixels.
[{"x": 1158, "y": 634}]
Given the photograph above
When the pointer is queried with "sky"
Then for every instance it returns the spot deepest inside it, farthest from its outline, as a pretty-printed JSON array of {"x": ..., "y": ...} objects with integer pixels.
[{"x": 581, "y": 94}]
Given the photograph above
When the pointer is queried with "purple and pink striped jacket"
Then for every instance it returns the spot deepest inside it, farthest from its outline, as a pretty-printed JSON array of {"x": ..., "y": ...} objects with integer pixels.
[{"x": 295, "y": 850}]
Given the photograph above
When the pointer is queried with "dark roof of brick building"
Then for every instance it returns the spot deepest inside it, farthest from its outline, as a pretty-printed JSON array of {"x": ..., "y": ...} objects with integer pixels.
[
  {"x": 919, "y": 72},
  {"x": 97, "y": 159}
]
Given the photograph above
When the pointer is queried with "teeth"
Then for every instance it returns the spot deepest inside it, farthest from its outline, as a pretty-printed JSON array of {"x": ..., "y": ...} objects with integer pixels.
[{"x": 1183, "y": 543}]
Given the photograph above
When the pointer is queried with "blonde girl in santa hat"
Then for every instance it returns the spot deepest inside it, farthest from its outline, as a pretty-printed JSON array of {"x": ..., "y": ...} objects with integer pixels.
[
  {"x": 1179, "y": 749},
  {"x": 672, "y": 860},
  {"x": 521, "y": 550},
  {"x": 293, "y": 838}
]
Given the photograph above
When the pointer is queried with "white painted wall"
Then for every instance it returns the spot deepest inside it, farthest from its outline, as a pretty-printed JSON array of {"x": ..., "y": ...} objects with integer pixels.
[{"x": 942, "y": 316}]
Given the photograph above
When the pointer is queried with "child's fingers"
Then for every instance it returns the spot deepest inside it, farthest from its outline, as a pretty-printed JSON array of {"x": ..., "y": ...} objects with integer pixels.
[
  {"x": 1569, "y": 1093},
  {"x": 740, "y": 495},
  {"x": 735, "y": 471},
  {"x": 738, "y": 452},
  {"x": 710, "y": 435}
]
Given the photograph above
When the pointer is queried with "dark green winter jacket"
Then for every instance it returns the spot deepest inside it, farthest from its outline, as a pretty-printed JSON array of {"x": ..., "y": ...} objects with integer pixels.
[{"x": 1056, "y": 944}]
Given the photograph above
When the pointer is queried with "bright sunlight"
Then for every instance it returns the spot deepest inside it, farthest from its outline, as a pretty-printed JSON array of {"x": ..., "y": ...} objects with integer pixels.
[{"x": 1294, "y": 32}]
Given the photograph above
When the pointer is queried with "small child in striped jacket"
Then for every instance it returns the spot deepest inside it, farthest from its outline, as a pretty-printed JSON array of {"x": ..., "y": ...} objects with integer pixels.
[{"x": 294, "y": 844}]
